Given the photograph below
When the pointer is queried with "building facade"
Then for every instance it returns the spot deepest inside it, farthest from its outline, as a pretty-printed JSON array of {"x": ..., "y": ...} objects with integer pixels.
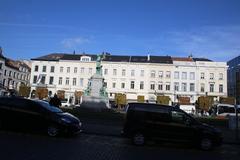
[
  {"x": 147, "y": 76},
  {"x": 12, "y": 74},
  {"x": 234, "y": 78}
]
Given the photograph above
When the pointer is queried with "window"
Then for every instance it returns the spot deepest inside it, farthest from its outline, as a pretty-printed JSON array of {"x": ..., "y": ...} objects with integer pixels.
[
  {"x": 85, "y": 58},
  {"x": 168, "y": 74},
  {"x": 5, "y": 72},
  {"x": 202, "y": 87},
  {"x": 42, "y": 79},
  {"x": 74, "y": 81},
  {"x": 211, "y": 76},
  {"x": 220, "y": 88},
  {"x": 211, "y": 88},
  {"x": 52, "y": 69},
  {"x": 202, "y": 75},
  {"x": 44, "y": 69},
  {"x": 35, "y": 79},
  {"x": 160, "y": 74},
  {"x": 113, "y": 85},
  {"x": 184, "y": 87},
  {"x": 160, "y": 86},
  {"x": 90, "y": 71},
  {"x": 105, "y": 71},
  {"x": 67, "y": 81},
  {"x": 132, "y": 72},
  {"x": 167, "y": 86},
  {"x": 141, "y": 85},
  {"x": 184, "y": 75},
  {"x": 176, "y": 75},
  {"x": 36, "y": 68},
  {"x": 152, "y": 74},
  {"x": 192, "y": 76},
  {"x": 176, "y": 86},
  {"x": 122, "y": 85},
  {"x": 68, "y": 69},
  {"x": 192, "y": 87},
  {"x": 142, "y": 73},
  {"x": 114, "y": 72},
  {"x": 61, "y": 69},
  {"x": 1, "y": 65},
  {"x": 178, "y": 117},
  {"x": 123, "y": 72},
  {"x": 75, "y": 69},
  {"x": 220, "y": 76},
  {"x": 10, "y": 73},
  {"x": 51, "y": 80},
  {"x": 132, "y": 85},
  {"x": 152, "y": 85},
  {"x": 60, "y": 81},
  {"x": 14, "y": 75},
  {"x": 82, "y": 70},
  {"x": 81, "y": 82}
]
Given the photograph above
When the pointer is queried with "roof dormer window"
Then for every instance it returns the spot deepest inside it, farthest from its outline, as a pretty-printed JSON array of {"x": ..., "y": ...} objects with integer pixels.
[{"x": 85, "y": 58}]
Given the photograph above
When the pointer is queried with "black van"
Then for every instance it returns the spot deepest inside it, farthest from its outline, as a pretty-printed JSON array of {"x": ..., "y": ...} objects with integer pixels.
[
  {"x": 36, "y": 115},
  {"x": 146, "y": 121}
]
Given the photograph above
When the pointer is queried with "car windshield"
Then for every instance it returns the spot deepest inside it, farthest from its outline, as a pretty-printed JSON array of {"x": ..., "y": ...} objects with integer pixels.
[{"x": 49, "y": 107}]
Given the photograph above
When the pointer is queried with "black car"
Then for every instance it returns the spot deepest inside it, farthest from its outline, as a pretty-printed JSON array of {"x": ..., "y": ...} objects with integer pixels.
[
  {"x": 36, "y": 115},
  {"x": 146, "y": 121}
]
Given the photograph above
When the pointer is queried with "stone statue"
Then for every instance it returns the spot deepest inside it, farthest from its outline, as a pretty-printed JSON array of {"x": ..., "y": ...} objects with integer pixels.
[{"x": 98, "y": 65}]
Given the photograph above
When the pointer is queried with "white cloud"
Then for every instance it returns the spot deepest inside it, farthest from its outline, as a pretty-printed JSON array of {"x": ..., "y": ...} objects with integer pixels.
[
  {"x": 74, "y": 42},
  {"x": 217, "y": 43}
]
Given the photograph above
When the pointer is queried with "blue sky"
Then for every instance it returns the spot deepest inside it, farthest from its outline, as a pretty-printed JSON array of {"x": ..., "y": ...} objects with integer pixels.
[{"x": 203, "y": 28}]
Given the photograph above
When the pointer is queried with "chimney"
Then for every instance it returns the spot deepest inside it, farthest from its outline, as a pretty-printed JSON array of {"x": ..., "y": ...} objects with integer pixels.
[
  {"x": 190, "y": 56},
  {"x": 148, "y": 57}
]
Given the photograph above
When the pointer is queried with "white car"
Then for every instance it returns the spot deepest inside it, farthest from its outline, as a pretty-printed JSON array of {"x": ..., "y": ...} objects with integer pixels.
[{"x": 65, "y": 103}]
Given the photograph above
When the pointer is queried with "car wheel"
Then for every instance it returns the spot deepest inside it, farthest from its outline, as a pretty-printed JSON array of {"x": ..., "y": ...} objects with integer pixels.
[
  {"x": 52, "y": 131},
  {"x": 138, "y": 139},
  {"x": 206, "y": 144}
]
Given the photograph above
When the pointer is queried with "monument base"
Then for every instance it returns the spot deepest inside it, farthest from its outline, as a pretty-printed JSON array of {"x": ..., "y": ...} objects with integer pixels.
[{"x": 95, "y": 103}]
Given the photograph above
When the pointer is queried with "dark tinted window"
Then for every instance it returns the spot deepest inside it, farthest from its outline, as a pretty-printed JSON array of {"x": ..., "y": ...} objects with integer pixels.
[
  {"x": 226, "y": 109},
  {"x": 46, "y": 105},
  {"x": 158, "y": 116},
  {"x": 27, "y": 105},
  {"x": 178, "y": 117}
]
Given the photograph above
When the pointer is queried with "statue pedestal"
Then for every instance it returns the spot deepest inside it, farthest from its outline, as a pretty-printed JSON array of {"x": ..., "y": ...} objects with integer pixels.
[
  {"x": 95, "y": 103},
  {"x": 95, "y": 99},
  {"x": 96, "y": 83}
]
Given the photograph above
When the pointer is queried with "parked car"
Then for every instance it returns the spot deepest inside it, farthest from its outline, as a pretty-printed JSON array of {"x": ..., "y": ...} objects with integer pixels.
[
  {"x": 225, "y": 110},
  {"x": 25, "y": 114},
  {"x": 146, "y": 121}
]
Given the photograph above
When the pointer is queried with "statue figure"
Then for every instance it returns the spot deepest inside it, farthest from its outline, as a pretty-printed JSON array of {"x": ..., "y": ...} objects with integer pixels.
[{"x": 98, "y": 65}]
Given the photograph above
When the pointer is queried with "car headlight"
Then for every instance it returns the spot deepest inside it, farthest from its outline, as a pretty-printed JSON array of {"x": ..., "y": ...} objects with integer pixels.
[{"x": 65, "y": 120}]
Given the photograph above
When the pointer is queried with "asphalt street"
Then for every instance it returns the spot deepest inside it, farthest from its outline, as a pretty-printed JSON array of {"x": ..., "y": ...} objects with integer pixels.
[{"x": 14, "y": 146}]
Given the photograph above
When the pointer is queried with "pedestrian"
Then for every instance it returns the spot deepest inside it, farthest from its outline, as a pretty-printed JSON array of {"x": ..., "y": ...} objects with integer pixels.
[
  {"x": 202, "y": 112},
  {"x": 55, "y": 101}
]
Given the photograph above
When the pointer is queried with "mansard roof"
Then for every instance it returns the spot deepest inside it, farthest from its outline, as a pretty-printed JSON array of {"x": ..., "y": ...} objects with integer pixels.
[{"x": 118, "y": 58}]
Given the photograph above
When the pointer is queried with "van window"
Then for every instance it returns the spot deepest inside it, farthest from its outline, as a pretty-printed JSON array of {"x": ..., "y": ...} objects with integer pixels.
[
  {"x": 226, "y": 109},
  {"x": 178, "y": 117},
  {"x": 157, "y": 116}
]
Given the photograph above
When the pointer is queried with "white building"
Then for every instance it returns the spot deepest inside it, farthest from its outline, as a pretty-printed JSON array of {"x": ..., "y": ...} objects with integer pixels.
[
  {"x": 12, "y": 74},
  {"x": 147, "y": 76}
]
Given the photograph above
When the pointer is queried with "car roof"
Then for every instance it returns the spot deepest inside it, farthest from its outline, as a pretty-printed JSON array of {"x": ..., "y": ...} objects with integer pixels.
[
  {"x": 149, "y": 107},
  {"x": 14, "y": 98},
  {"x": 228, "y": 105}
]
